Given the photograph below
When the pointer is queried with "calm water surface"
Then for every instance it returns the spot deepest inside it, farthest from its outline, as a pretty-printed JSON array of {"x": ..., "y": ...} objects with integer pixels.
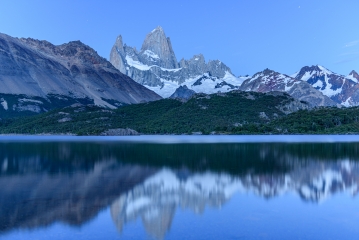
[{"x": 271, "y": 187}]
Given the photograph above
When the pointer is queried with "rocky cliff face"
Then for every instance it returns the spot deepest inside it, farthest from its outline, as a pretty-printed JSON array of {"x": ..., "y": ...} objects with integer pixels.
[
  {"x": 156, "y": 67},
  {"x": 73, "y": 70},
  {"x": 157, "y": 50},
  {"x": 268, "y": 81},
  {"x": 343, "y": 90}
]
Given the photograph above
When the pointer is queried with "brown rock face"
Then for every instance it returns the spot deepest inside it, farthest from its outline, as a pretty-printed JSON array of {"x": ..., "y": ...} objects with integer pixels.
[{"x": 39, "y": 68}]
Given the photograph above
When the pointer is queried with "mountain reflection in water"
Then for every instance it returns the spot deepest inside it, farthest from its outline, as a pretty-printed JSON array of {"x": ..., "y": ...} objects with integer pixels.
[{"x": 45, "y": 183}]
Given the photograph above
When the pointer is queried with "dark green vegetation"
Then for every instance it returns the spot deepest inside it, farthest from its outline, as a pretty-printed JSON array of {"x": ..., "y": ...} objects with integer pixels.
[
  {"x": 230, "y": 113},
  {"x": 319, "y": 121}
]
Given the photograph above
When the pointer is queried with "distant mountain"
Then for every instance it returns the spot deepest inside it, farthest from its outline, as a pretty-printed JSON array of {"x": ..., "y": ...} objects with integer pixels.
[
  {"x": 354, "y": 76},
  {"x": 155, "y": 66},
  {"x": 269, "y": 80},
  {"x": 36, "y": 76},
  {"x": 183, "y": 93},
  {"x": 341, "y": 89}
]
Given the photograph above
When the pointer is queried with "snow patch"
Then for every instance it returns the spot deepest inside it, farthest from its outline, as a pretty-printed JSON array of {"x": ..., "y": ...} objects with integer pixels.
[
  {"x": 348, "y": 102},
  {"x": 208, "y": 85},
  {"x": 351, "y": 77},
  {"x": 151, "y": 54},
  {"x": 29, "y": 100},
  {"x": 318, "y": 84},
  {"x": 136, "y": 64},
  {"x": 307, "y": 76},
  {"x": 294, "y": 75},
  {"x": 328, "y": 91},
  {"x": 326, "y": 71},
  {"x": 229, "y": 78},
  {"x": 4, "y": 104}
]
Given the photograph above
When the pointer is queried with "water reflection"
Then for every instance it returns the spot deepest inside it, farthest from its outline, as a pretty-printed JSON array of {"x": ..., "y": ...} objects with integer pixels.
[
  {"x": 156, "y": 200},
  {"x": 44, "y": 183}
]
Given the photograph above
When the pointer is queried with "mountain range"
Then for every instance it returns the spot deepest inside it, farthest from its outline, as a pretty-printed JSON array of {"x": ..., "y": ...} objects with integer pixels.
[
  {"x": 37, "y": 76},
  {"x": 156, "y": 67}
]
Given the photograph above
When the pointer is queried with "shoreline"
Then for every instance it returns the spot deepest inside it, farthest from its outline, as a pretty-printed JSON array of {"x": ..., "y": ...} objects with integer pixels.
[{"x": 173, "y": 139}]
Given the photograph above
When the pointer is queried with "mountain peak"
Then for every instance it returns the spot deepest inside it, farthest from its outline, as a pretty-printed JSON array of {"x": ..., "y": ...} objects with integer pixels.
[
  {"x": 267, "y": 71},
  {"x": 353, "y": 73},
  {"x": 158, "y": 29},
  {"x": 354, "y": 76},
  {"x": 308, "y": 72},
  {"x": 325, "y": 70},
  {"x": 157, "y": 43}
]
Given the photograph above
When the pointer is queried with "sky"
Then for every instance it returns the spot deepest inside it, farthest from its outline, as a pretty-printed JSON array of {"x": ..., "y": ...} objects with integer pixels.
[{"x": 247, "y": 35}]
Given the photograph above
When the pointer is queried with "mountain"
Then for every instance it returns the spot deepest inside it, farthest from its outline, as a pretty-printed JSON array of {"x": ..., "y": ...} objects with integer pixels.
[
  {"x": 36, "y": 75},
  {"x": 354, "y": 76},
  {"x": 269, "y": 80},
  {"x": 155, "y": 66},
  {"x": 341, "y": 89},
  {"x": 183, "y": 93}
]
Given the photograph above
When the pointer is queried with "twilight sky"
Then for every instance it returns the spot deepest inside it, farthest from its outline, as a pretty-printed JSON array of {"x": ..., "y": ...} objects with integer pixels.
[{"x": 247, "y": 35}]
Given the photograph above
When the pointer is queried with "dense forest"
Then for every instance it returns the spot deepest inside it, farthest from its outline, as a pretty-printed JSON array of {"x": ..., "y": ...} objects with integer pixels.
[{"x": 231, "y": 113}]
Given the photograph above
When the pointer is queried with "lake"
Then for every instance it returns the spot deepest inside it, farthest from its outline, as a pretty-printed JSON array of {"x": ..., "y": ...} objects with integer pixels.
[{"x": 179, "y": 187}]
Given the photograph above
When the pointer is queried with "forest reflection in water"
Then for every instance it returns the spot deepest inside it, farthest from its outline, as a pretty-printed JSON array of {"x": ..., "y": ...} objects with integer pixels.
[{"x": 71, "y": 182}]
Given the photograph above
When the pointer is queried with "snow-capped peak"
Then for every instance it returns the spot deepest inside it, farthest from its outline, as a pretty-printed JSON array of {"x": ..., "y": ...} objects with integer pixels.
[
  {"x": 158, "y": 28},
  {"x": 354, "y": 76},
  {"x": 325, "y": 70}
]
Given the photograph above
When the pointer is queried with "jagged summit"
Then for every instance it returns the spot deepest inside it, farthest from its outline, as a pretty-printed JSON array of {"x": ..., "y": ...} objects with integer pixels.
[
  {"x": 307, "y": 71},
  {"x": 269, "y": 80},
  {"x": 155, "y": 66},
  {"x": 354, "y": 76},
  {"x": 341, "y": 89},
  {"x": 158, "y": 28},
  {"x": 158, "y": 48}
]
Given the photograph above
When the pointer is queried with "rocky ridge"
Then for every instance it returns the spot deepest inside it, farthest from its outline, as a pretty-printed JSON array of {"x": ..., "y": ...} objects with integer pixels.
[
  {"x": 341, "y": 89},
  {"x": 269, "y": 80},
  {"x": 155, "y": 66},
  {"x": 73, "y": 70}
]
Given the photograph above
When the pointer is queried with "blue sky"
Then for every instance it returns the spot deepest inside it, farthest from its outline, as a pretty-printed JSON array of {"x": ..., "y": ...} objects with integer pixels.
[{"x": 247, "y": 35}]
